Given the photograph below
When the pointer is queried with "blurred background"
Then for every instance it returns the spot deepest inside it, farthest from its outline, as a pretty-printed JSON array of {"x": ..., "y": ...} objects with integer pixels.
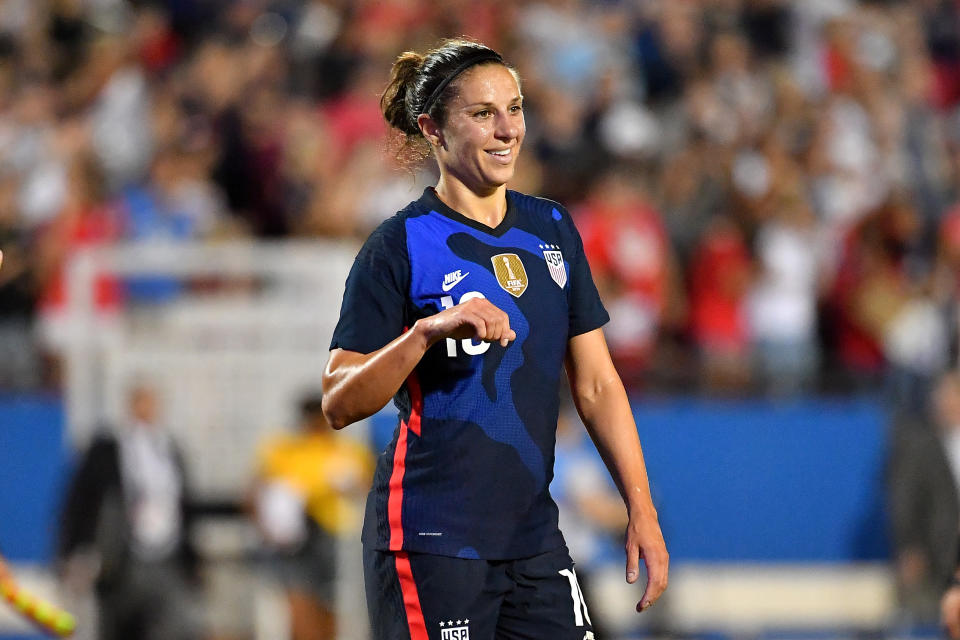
[{"x": 768, "y": 195}]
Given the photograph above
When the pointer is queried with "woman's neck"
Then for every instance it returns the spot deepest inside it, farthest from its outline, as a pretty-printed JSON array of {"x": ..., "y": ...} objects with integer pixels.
[{"x": 489, "y": 208}]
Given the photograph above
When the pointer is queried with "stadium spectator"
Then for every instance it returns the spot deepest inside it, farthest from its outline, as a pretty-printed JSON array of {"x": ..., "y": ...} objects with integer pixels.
[
  {"x": 309, "y": 491},
  {"x": 634, "y": 268},
  {"x": 116, "y": 93},
  {"x": 720, "y": 279},
  {"x": 126, "y": 529},
  {"x": 572, "y": 47},
  {"x": 176, "y": 205},
  {"x": 37, "y": 148},
  {"x": 871, "y": 287},
  {"x": 566, "y": 145},
  {"x": 87, "y": 220},
  {"x": 667, "y": 41},
  {"x": 783, "y": 296},
  {"x": 692, "y": 190},
  {"x": 924, "y": 493}
]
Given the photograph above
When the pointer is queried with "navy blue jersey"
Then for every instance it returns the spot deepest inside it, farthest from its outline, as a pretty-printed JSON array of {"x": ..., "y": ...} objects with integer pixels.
[{"x": 468, "y": 469}]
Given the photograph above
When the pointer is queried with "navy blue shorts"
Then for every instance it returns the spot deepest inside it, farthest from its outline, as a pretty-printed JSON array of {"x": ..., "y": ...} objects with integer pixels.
[{"x": 419, "y": 596}]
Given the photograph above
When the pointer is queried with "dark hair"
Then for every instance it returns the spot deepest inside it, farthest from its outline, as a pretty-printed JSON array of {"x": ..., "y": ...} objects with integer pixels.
[{"x": 424, "y": 83}]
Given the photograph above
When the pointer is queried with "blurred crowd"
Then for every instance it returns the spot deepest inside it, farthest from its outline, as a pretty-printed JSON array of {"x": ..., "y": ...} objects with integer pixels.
[{"x": 766, "y": 189}]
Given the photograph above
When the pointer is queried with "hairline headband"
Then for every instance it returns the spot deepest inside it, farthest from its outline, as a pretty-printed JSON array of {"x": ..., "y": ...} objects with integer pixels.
[{"x": 477, "y": 58}]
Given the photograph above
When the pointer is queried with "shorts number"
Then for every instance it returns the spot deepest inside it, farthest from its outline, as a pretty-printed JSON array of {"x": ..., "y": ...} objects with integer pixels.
[
  {"x": 579, "y": 604},
  {"x": 468, "y": 346}
]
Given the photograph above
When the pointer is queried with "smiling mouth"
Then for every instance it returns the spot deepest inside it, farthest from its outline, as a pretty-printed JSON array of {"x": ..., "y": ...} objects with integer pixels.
[{"x": 502, "y": 154}]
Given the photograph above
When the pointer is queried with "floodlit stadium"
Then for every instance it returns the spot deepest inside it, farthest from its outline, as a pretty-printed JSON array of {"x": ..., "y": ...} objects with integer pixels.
[{"x": 768, "y": 197}]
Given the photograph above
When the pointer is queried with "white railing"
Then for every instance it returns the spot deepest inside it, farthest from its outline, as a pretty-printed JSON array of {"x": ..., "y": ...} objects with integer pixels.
[{"x": 230, "y": 356}]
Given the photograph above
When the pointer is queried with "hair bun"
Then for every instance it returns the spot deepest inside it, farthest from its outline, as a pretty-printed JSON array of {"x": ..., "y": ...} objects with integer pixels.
[{"x": 395, "y": 98}]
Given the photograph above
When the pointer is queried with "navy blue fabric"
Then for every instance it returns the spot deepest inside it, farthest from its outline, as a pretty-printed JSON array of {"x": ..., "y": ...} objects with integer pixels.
[
  {"x": 476, "y": 477},
  {"x": 527, "y": 598}
]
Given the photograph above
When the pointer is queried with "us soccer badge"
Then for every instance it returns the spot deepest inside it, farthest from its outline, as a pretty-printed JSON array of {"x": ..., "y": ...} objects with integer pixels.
[
  {"x": 551, "y": 253},
  {"x": 459, "y": 632},
  {"x": 510, "y": 273}
]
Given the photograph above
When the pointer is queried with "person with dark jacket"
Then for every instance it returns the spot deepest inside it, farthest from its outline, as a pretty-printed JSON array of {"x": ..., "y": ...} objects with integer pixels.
[
  {"x": 925, "y": 502},
  {"x": 126, "y": 521}
]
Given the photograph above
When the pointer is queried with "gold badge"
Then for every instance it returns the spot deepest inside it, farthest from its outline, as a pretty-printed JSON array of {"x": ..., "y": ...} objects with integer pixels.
[{"x": 510, "y": 273}]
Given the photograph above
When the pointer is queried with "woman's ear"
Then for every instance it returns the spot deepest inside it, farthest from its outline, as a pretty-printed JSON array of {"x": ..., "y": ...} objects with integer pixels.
[{"x": 430, "y": 130}]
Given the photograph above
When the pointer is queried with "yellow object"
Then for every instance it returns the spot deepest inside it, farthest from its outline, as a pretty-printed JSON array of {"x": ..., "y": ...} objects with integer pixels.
[
  {"x": 64, "y": 624},
  {"x": 330, "y": 472},
  {"x": 43, "y": 613}
]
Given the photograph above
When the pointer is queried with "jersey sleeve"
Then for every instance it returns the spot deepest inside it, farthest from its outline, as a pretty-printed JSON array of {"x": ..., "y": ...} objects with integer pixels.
[
  {"x": 375, "y": 298},
  {"x": 586, "y": 309}
]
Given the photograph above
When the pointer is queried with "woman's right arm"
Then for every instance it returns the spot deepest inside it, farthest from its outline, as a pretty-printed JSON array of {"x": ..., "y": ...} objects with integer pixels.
[{"x": 357, "y": 385}]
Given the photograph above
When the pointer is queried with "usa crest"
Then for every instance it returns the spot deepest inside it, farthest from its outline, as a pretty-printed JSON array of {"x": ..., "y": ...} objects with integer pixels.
[
  {"x": 555, "y": 264},
  {"x": 459, "y": 632},
  {"x": 510, "y": 273}
]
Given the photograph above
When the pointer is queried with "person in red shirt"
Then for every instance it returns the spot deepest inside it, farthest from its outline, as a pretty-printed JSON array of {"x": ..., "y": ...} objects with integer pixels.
[
  {"x": 720, "y": 277},
  {"x": 85, "y": 221},
  {"x": 871, "y": 285},
  {"x": 634, "y": 267}
]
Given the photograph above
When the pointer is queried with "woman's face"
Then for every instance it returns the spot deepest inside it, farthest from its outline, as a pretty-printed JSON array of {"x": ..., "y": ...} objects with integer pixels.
[{"x": 480, "y": 141}]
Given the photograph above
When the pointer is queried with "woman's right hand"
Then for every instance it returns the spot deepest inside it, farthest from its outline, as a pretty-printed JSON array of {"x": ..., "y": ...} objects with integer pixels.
[
  {"x": 476, "y": 319},
  {"x": 357, "y": 385}
]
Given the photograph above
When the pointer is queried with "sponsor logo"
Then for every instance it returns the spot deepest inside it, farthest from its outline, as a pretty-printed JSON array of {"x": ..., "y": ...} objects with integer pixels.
[
  {"x": 453, "y": 278},
  {"x": 510, "y": 273},
  {"x": 551, "y": 253},
  {"x": 450, "y": 632}
]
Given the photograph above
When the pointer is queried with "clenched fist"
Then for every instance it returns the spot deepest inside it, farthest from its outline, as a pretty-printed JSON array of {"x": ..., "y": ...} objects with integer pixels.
[{"x": 476, "y": 319}]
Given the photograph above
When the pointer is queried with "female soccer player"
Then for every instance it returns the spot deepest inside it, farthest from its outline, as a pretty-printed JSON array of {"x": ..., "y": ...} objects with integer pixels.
[{"x": 464, "y": 307}]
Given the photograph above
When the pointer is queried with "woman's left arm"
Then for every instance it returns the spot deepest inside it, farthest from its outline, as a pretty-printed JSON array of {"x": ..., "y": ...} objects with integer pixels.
[{"x": 602, "y": 404}]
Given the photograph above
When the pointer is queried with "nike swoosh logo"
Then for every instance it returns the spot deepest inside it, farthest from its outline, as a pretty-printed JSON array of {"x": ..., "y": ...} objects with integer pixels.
[{"x": 450, "y": 285}]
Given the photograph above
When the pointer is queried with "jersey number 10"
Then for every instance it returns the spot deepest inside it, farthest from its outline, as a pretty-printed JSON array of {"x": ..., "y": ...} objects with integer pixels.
[{"x": 468, "y": 345}]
